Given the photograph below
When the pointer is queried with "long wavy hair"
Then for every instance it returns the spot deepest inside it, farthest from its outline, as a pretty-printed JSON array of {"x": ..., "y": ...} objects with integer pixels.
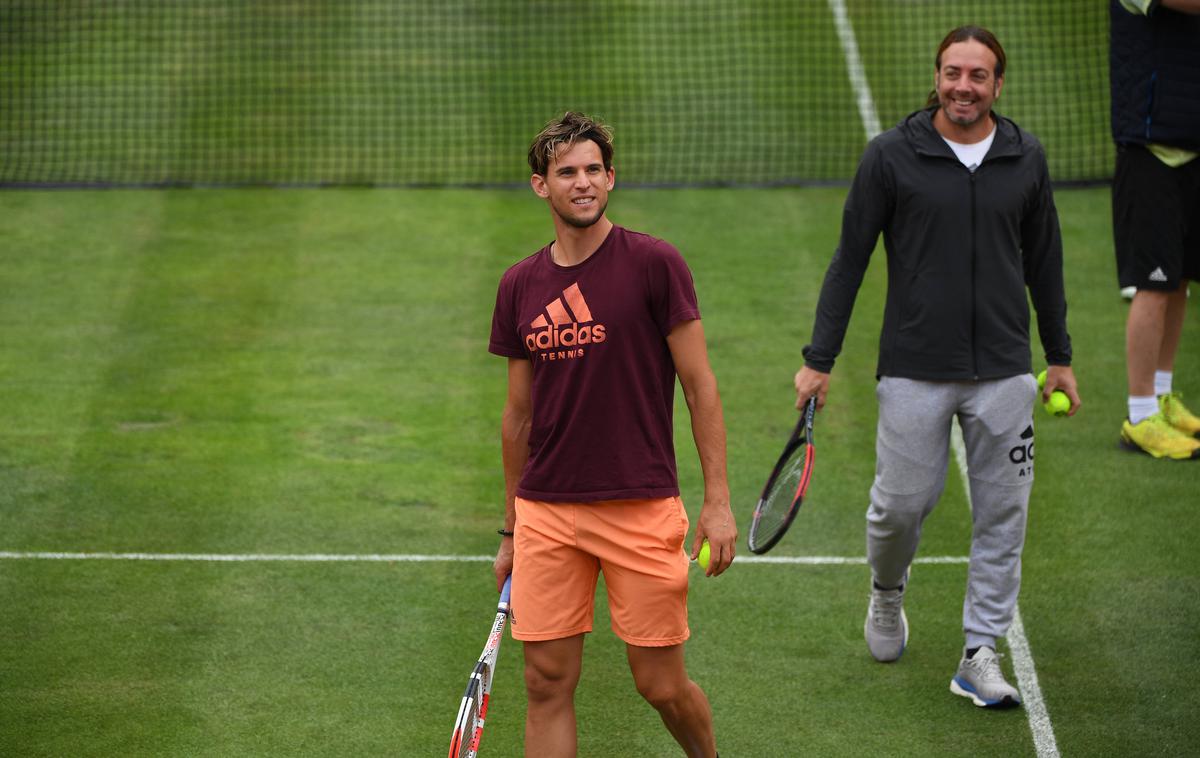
[{"x": 963, "y": 34}]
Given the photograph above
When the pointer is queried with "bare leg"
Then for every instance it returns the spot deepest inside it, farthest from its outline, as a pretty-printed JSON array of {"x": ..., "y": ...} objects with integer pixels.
[
  {"x": 662, "y": 680},
  {"x": 551, "y": 674},
  {"x": 1172, "y": 327},
  {"x": 1145, "y": 331}
]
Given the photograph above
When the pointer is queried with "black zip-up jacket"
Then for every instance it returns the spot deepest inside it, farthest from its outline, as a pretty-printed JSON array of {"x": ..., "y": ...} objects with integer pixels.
[{"x": 961, "y": 249}]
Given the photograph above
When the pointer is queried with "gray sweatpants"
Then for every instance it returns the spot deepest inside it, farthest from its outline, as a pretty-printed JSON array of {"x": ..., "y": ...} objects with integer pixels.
[{"x": 912, "y": 453}]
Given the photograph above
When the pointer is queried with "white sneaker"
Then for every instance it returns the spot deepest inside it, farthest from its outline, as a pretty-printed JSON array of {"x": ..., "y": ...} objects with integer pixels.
[{"x": 980, "y": 679}]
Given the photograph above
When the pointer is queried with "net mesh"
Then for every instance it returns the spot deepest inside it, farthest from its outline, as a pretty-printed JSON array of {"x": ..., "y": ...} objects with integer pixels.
[{"x": 401, "y": 92}]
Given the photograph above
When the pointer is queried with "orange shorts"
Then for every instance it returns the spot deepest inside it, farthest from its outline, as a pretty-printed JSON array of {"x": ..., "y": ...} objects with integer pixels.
[{"x": 562, "y": 547}]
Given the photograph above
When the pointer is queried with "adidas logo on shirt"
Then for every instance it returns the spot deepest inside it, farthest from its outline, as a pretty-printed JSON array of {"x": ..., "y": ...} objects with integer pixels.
[
  {"x": 569, "y": 327},
  {"x": 1157, "y": 275}
]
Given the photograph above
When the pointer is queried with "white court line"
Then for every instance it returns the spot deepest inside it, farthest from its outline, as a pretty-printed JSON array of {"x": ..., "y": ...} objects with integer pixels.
[
  {"x": 854, "y": 66},
  {"x": 806, "y": 560},
  {"x": 244, "y": 557},
  {"x": 1027, "y": 681},
  {"x": 1018, "y": 644}
]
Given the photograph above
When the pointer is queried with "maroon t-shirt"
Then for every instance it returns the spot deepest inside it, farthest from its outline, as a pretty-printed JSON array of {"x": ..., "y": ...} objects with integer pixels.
[{"x": 603, "y": 378}]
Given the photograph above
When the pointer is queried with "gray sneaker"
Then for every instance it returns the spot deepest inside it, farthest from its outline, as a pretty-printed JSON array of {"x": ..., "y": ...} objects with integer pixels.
[
  {"x": 886, "y": 627},
  {"x": 980, "y": 679}
]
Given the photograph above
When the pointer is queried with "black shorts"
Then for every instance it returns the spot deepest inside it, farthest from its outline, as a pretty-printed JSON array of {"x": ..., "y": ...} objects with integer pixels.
[{"x": 1156, "y": 220}]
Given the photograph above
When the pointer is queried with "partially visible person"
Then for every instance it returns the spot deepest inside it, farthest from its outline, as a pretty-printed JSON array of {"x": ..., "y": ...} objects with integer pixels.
[
  {"x": 1155, "y": 79},
  {"x": 962, "y": 197},
  {"x": 596, "y": 326}
]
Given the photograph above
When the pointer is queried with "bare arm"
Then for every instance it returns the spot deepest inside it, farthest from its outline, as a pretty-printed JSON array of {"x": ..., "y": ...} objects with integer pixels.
[
  {"x": 690, "y": 353},
  {"x": 514, "y": 443}
]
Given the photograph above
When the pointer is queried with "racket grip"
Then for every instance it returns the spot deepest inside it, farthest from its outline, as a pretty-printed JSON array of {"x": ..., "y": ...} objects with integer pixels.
[{"x": 504, "y": 593}]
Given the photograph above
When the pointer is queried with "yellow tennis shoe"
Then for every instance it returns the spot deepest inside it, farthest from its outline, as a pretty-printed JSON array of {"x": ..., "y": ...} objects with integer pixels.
[
  {"x": 1156, "y": 436},
  {"x": 1177, "y": 415}
]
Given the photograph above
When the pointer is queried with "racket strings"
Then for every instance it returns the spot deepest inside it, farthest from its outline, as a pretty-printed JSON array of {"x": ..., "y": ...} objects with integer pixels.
[
  {"x": 465, "y": 738},
  {"x": 775, "y": 508}
]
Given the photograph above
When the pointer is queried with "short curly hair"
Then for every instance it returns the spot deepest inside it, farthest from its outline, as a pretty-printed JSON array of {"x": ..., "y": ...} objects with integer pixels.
[{"x": 566, "y": 131}]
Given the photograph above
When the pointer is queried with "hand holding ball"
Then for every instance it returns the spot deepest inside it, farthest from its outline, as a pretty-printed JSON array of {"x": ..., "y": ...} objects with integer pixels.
[{"x": 1058, "y": 404}]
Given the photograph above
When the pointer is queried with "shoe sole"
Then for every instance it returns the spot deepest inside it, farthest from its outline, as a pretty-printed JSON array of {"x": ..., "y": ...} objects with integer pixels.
[
  {"x": 1002, "y": 704},
  {"x": 1132, "y": 446}
]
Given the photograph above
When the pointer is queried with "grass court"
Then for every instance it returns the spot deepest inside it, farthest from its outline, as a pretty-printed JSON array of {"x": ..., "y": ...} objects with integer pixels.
[{"x": 257, "y": 372}]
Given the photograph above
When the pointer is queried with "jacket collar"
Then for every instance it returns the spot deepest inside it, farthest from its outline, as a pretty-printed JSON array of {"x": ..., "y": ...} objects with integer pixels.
[{"x": 918, "y": 129}]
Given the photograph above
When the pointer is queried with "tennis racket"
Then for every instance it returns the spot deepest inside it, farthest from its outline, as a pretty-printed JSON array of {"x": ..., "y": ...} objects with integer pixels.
[
  {"x": 781, "y": 498},
  {"x": 468, "y": 727}
]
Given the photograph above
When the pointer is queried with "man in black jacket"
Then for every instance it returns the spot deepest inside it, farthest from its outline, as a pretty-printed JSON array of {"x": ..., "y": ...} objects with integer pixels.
[
  {"x": 962, "y": 198},
  {"x": 1155, "y": 74}
]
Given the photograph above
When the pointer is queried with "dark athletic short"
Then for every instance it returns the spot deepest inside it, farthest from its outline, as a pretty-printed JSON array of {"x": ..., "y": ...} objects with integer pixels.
[{"x": 1156, "y": 220}]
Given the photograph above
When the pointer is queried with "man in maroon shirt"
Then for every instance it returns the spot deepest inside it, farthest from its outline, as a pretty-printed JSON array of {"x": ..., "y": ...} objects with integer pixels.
[{"x": 596, "y": 326}]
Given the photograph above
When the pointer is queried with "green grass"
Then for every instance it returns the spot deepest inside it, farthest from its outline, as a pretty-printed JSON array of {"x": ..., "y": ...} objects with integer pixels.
[{"x": 306, "y": 372}]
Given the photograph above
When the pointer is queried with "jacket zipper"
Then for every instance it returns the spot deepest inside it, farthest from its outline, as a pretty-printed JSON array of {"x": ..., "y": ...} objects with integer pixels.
[{"x": 974, "y": 253}]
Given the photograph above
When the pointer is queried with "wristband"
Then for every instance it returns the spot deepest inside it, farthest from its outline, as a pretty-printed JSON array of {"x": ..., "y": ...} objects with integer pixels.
[{"x": 504, "y": 533}]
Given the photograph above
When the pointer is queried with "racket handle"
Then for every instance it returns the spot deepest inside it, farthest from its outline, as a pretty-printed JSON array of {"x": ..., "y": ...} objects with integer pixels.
[{"x": 504, "y": 593}]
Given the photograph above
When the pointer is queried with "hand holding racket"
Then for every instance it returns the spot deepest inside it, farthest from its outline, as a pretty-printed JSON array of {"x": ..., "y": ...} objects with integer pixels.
[
  {"x": 811, "y": 383},
  {"x": 468, "y": 727},
  {"x": 781, "y": 497}
]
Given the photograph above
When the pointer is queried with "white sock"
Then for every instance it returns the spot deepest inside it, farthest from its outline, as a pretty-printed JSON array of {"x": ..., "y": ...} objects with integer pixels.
[
  {"x": 1162, "y": 382},
  {"x": 1141, "y": 408}
]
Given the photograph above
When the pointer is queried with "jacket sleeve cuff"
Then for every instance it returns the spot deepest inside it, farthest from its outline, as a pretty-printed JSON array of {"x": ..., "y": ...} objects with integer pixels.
[
  {"x": 1058, "y": 358},
  {"x": 817, "y": 360}
]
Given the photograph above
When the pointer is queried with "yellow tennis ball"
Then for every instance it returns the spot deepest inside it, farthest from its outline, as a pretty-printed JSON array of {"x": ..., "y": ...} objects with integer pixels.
[
  {"x": 1058, "y": 404},
  {"x": 1042, "y": 380},
  {"x": 704, "y": 555}
]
